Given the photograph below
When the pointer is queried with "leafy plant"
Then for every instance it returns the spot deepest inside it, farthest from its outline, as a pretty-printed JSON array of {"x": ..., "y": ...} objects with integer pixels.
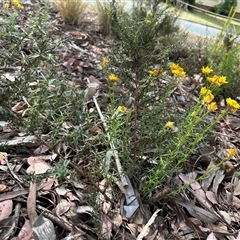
[
  {"x": 225, "y": 7},
  {"x": 159, "y": 140},
  {"x": 71, "y": 11}
]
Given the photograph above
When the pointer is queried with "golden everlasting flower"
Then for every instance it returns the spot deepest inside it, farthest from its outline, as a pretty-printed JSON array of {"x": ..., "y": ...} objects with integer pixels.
[
  {"x": 169, "y": 124},
  {"x": 206, "y": 70},
  {"x": 174, "y": 66},
  {"x": 104, "y": 62},
  {"x": 217, "y": 80},
  {"x": 17, "y": 4},
  {"x": 113, "y": 78},
  {"x": 177, "y": 70},
  {"x": 122, "y": 109},
  {"x": 212, "y": 106},
  {"x": 208, "y": 98},
  {"x": 205, "y": 91},
  {"x": 234, "y": 105},
  {"x": 154, "y": 72},
  {"x": 232, "y": 151}
]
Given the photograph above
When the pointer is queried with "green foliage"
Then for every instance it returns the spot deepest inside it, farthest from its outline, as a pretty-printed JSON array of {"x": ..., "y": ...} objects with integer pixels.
[
  {"x": 225, "y": 7},
  {"x": 49, "y": 101},
  {"x": 140, "y": 59},
  {"x": 60, "y": 171}
]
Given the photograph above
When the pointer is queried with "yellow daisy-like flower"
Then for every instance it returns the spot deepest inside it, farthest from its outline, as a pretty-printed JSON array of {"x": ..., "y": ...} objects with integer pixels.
[
  {"x": 104, "y": 62},
  {"x": 222, "y": 80},
  {"x": 122, "y": 109},
  {"x": 113, "y": 78},
  {"x": 205, "y": 91},
  {"x": 212, "y": 106},
  {"x": 177, "y": 70},
  {"x": 174, "y": 66},
  {"x": 208, "y": 98},
  {"x": 148, "y": 21},
  {"x": 217, "y": 80},
  {"x": 169, "y": 124},
  {"x": 232, "y": 151},
  {"x": 17, "y": 4},
  {"x": 206, "y": 70},
  {"x": 153, "y": 73},
  {"x": 234, "y": 105}
]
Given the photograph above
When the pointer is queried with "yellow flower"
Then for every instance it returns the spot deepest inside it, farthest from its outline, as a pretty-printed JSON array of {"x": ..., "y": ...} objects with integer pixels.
[
  {"x": 104, "y": 62},
  {"x": 148, "y": 21},
  {"x": 193, "y": 114},
  {"x": 177, "y": 70},
  {"x": 232, "y": 151},
  {"x": 150, "y": 14},
  {"x": 205, "y": 91},
  {"x": 17, "y": 4},
  {"x": 122, "y": 109},
  {"x": 206, "y": 70},
  {"x": 212, "y": 106},
  {"x": 217, "y": 80},
  {"x": 154, "y": 72},
  {"x": 169, "y": 124},
  {"x": 113, "y": 78},
  {"x": 7, "y": 5},
  {"x": 234, "y": 105},
  {"x": 174, "y": 66},
  {"x": 208, "y": 98},
  {"x": 222, "y": 80}
]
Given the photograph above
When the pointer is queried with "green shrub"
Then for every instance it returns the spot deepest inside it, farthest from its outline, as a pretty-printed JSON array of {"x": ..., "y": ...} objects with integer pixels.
[{"x": 225, "y": 7}]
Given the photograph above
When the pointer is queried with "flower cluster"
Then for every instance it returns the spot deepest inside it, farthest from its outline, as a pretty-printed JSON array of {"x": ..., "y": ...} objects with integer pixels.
[
  {"x": 208, "y": 97},
  {"x": 15, "y": 3},
  {"x": 215, "y": 80},
  {"x": 177, "y": 70}
]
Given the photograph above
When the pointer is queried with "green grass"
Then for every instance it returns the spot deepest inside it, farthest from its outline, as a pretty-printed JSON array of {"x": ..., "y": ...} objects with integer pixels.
[{"x": 207, "y": 19}]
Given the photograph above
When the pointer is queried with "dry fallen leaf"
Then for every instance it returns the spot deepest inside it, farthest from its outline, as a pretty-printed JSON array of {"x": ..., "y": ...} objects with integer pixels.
[
  {"x": 211, "y": 236},
  {"x": 63, "y": 207},
  {"x": 3, "y": 188},
  {"x": 236, "y": 188},
  {"x": 3, "y": 156},
  {"x": 5, "y": 209},
  {"x": 37, "y": 165},
  {"x": 18, "y": 108},
  {"x": 211, "y": 197}
]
